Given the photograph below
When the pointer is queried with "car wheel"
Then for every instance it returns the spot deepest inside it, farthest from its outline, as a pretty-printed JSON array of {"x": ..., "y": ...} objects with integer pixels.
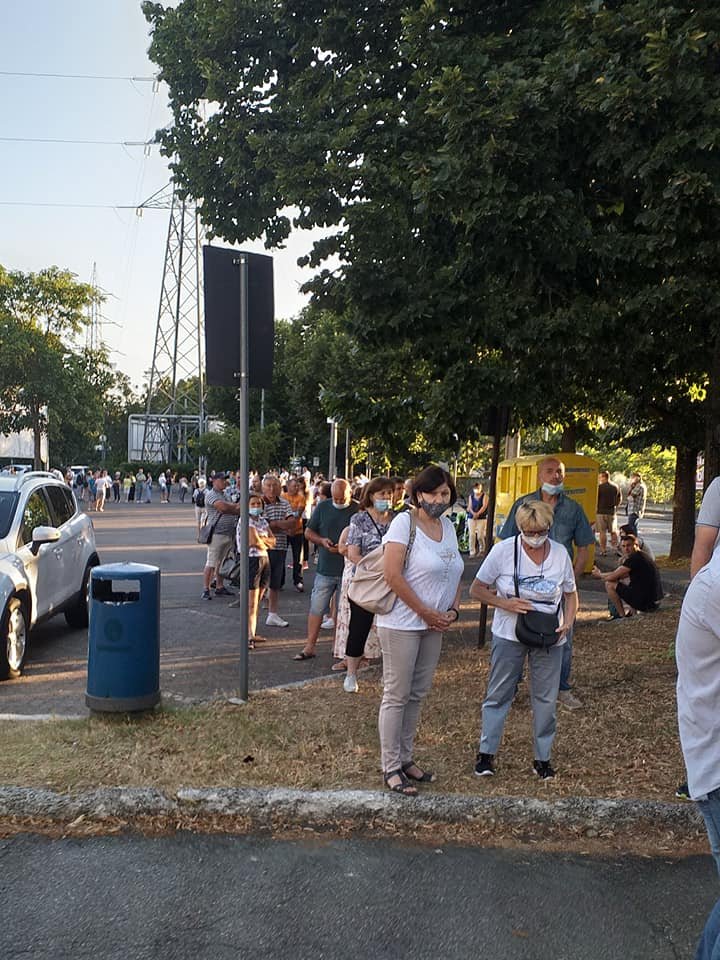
[
  {"x": 13, "y": 640},
  {"x": 78, "y": 614}
]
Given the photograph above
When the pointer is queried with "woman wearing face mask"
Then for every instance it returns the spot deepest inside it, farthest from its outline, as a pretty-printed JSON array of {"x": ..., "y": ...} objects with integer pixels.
[
  {"x": 366, "y": 530},
  {"x": 427, "y": 584},
  {"x": 544, "y": 576},
  {"x": 260, "y": 540}
]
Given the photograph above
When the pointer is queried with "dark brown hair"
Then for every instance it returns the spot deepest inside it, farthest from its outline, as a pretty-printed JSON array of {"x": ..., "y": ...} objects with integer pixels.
[{"x": 430, "y": 479}]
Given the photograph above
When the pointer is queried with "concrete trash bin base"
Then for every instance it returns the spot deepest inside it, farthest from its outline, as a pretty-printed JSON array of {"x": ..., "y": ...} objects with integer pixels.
[{"x": 124, "y": 638}]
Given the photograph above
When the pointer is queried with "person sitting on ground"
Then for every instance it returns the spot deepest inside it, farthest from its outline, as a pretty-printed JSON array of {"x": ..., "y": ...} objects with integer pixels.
[
  {"x": 645, "y": 547},
  {"x": 635, "y": 583}
]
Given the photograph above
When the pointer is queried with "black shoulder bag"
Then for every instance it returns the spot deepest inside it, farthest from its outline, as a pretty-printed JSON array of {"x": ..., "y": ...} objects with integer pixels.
[{"x": 535, "y": 628}]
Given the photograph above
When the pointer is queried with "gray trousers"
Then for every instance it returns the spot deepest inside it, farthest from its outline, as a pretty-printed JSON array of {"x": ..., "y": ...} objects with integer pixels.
[
  {"x": 506, "y": 666},
  {"x": 409, "y": 661}
]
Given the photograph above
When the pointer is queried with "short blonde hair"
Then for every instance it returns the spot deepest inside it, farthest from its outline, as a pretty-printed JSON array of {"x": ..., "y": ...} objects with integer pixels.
[{"x": 534, "y": 511}]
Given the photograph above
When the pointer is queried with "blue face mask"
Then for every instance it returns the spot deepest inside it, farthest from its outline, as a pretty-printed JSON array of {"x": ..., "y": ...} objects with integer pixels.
[
  {"x": 553, "y": 489},
  {"x": 256, "y": 511},
  {"x": 382, "y": 505}
]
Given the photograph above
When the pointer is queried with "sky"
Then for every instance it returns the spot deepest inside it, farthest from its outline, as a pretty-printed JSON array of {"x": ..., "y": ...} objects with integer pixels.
[{"x": 94, "y": 38}]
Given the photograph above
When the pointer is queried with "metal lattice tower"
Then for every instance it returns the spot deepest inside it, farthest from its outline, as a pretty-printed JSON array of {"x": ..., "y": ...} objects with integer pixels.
[
  {"x": 94, "y": 330},
  {"x": 175, "y": 411}
]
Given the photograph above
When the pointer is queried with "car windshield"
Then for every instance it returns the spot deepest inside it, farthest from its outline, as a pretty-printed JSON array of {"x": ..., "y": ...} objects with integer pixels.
[{"x": 8, "y": 503}]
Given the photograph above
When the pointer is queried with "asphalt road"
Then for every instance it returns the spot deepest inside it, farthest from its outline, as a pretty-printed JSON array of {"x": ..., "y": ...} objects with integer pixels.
[{"x": 196, "y": 897}]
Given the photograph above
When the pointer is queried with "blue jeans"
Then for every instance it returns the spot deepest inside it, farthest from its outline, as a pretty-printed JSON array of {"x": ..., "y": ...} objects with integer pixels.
[
  {"x": 709, "y": 946},
  {"x": 567, "y": 660},
  {"x": 322, "y": 591},
  {"x": 710, "y": 809}
]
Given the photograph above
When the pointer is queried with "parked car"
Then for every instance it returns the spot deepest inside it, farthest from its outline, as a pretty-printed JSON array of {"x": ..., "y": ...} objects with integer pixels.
[{"x": 47, "y": 550}]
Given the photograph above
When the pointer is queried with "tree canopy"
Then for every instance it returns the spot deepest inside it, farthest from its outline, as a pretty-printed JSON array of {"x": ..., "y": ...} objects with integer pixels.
[{"x": 522, "y": 196}]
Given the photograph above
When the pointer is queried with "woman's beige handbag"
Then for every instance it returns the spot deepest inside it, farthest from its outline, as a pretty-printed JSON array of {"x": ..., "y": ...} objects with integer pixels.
[{"x": 368, "y": 587}]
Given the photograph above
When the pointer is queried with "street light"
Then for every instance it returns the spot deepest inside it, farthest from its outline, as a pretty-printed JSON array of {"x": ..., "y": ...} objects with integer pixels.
[{"x": 332, "y": 467}]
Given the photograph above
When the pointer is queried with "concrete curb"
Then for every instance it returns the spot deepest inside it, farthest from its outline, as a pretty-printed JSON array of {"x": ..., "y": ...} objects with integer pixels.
[{"x": 318, "y": 809}]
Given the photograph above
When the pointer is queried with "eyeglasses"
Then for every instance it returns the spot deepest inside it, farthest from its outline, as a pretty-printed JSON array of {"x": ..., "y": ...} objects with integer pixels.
[{"x": 535, "y": 533}]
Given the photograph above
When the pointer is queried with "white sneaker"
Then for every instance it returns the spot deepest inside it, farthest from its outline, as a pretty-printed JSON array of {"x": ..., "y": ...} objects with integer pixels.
[
  {"x": 567, "y": 699},
  {"x": 350, "y": 684},
  {"x": 273, "y": 620},
  {"x": 327, "y": 624}
]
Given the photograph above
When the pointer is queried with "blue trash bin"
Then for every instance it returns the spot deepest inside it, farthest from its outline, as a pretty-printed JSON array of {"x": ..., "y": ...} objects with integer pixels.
[{"x": 124, "y": 638}]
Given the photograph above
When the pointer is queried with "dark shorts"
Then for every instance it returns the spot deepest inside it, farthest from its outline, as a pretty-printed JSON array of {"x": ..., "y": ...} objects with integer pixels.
[
  {"x": 277, "y": 568},
  {"x": 259, "y": 573},
  {"x": 635, "y": 599}
]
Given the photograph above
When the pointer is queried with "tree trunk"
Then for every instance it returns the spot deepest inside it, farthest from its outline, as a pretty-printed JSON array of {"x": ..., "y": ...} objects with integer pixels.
[
  {"x": 712, "y": 418},
  {"x": 683, "y": 521},
  {"x": 569, "y": 438}
]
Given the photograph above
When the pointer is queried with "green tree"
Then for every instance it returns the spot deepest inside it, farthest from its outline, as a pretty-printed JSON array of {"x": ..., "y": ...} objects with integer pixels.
[{"x": 524, "y": 195}]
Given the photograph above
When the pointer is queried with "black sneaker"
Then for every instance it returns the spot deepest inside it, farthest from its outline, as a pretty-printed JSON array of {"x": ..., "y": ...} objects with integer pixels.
[
  {"x": 683, "y": 791},
  {"x": 543, "y": 769},
  {"x": 484, "y": 766},
  {"x": 206, "y": 595}
]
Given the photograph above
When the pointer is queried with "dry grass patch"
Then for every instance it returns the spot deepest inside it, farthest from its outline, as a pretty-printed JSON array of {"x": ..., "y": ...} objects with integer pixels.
[{"x": 622, "y": 744}]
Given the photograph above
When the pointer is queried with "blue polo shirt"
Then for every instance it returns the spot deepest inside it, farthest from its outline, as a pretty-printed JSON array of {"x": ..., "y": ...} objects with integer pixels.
[{"x": 570, "y": 525}]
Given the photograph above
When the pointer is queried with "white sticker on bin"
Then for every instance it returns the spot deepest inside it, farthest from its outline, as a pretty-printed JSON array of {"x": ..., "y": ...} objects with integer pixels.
[{"x": 125, "y": 586}]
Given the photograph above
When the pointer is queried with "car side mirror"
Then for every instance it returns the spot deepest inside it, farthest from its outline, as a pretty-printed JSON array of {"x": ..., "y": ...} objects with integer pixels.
[{"x": 41, "y": 535}]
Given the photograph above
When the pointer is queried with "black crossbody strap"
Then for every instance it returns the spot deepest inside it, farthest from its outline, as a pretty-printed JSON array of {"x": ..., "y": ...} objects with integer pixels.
[{"x": 517, "y": 582}]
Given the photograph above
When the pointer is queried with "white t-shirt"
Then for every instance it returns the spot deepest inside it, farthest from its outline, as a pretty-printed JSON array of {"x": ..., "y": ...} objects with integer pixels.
[
  {"x": 709, "y": 515},
  {"x": 548, "y": 580},
  {"x": 433, "y": 571},
  {"x": 697, "y": 651}
]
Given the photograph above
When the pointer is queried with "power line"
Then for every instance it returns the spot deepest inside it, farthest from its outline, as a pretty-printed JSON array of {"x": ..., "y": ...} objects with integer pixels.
[
  {"x": 76, "y": 76},
  {"x": 90, "y": 206},
  {"x": 107, "y": 143}
]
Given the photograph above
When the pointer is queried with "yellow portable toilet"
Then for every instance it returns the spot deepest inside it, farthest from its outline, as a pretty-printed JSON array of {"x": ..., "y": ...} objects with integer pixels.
[{"x": 518, "y": 477}]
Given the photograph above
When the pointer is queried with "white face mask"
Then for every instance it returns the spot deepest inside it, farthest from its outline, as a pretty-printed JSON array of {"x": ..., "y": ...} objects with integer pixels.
[{"x": 535, "y": 541}]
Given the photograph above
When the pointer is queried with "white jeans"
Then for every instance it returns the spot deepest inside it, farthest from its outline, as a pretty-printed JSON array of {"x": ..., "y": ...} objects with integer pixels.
[{"x": 476, "y": 529}]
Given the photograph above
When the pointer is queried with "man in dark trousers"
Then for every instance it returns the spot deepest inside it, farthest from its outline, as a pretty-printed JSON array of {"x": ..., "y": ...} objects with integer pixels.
[{"x": 606, "y": 519}]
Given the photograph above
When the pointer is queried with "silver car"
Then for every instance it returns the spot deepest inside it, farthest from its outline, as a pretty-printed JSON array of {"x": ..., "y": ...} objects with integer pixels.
[{"x": 47, "y": 550}]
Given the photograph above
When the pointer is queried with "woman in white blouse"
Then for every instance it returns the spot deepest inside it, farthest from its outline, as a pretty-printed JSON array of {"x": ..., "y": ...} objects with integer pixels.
[{"x": 427, "y": 585}]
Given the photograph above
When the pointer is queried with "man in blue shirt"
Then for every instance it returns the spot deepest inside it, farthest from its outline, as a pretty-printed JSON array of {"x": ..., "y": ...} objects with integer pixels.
[{"x": 570, "y": 528}]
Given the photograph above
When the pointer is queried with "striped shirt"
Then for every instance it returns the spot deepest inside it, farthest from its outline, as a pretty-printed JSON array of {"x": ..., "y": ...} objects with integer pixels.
[{"x": 280, "y": 510}]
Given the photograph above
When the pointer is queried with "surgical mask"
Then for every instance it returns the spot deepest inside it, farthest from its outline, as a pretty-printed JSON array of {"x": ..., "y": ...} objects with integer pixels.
[
  {"x": 553, "y": 489},
  {"x": 382, "y": 505},
  {"x": 435, "y": 510},
  {"x": 535, "y": 541},
  {"x": 339, "y": 506},
  {"x": 256, "y": 511}
]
